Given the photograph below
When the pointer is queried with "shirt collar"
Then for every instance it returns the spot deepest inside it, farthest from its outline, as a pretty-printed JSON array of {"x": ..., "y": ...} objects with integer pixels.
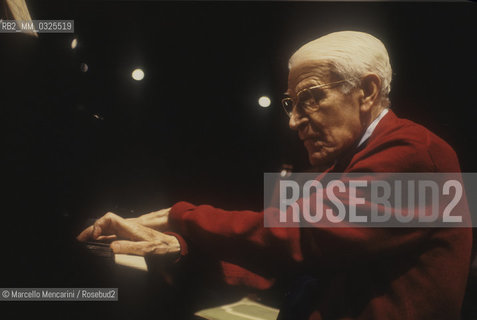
[{"x": 372, "y": 126}]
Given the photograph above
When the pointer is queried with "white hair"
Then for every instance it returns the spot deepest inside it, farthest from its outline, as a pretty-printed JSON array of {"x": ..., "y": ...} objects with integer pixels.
[{"x": 349, "y": 54}]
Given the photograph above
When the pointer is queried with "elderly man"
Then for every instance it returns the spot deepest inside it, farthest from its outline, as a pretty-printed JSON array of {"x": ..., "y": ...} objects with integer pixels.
[{"x": 338, "y": 89}]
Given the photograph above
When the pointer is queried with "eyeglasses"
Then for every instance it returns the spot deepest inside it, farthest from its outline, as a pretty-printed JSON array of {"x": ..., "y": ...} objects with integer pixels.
[{"x": 307, "y": 99}]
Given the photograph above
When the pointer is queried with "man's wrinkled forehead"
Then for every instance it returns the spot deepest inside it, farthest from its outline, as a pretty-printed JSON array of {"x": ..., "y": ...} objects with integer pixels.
[{"x": 314, "y": 70}]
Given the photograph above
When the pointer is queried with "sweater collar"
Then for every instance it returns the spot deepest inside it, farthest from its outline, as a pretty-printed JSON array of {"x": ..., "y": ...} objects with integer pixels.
[{"x": 372, "y": 126}]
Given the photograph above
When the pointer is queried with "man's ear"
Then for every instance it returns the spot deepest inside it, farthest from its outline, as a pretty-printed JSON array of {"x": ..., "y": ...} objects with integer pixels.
[{"x": 370, "y": 88}]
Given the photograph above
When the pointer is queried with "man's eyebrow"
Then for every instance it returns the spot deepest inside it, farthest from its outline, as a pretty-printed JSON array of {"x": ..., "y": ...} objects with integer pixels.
[{"x": 287, "y": 93}]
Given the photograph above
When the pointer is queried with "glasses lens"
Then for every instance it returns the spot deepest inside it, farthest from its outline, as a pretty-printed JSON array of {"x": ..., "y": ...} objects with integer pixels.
[{"x": 287, "y": 104}]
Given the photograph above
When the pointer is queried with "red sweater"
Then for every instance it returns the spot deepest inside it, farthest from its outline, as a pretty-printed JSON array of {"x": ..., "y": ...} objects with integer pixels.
[{"x": 363, "y": 273}]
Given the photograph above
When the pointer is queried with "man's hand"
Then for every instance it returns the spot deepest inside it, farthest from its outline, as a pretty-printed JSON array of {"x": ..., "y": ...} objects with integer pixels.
[
  {"x": 156, "y": 220},
  {"x": 140, "y": 240}
]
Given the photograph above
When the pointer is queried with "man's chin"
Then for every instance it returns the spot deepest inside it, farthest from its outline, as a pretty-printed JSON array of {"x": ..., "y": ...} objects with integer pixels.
[{"x": 319, "y": 161}]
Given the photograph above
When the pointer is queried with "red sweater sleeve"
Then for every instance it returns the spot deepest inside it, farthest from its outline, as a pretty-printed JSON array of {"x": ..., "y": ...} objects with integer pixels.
[
  {"x": 240, "y": 238},
  {"x": 249, "y": 252}
]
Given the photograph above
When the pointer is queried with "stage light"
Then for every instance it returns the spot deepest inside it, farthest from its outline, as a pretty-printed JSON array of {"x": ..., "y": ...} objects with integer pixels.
[
  {"x": 74, "y": 43},
  {"x": 84, "y": 67},
  {"x": 137, "y": 74},
  {"x": 264, "y": 102},
  {"x": 286, "y": 171}
]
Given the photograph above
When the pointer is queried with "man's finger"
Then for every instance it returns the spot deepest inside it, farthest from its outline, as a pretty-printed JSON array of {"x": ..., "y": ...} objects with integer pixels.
[
  {"x": 109, "y": 225},
  {"x": 86, "y": 234},
  {"x": 107, "y": 238},
  {"x": 140, "y": 248},
  {"x": 106, "y": 225}
]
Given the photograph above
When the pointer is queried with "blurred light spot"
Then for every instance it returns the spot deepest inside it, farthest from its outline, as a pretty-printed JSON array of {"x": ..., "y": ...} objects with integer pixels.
[
  {"x": 264, "y": 102},
  {"x": 137, "y": 74},
  {"x": 84, "y": 67},
  {"x": 98, "y": 116},
  {"x": 287, "y": 170},
  {"x": 74, "y": 43}
]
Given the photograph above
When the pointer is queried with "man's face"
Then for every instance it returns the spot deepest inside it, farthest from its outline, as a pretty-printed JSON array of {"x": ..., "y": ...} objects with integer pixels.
[{"x": 334, "y": 125}]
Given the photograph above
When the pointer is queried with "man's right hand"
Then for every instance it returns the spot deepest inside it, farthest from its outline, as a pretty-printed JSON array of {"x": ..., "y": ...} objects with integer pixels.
[{"x": 138, "y": 239}]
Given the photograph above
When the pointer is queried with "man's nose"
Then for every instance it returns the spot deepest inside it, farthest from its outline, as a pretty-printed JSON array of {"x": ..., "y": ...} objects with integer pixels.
[{"x": 297, "y": 121}]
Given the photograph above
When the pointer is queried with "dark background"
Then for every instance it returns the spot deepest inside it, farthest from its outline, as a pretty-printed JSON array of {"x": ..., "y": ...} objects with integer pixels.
[{"x": 192, "y": 129}]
